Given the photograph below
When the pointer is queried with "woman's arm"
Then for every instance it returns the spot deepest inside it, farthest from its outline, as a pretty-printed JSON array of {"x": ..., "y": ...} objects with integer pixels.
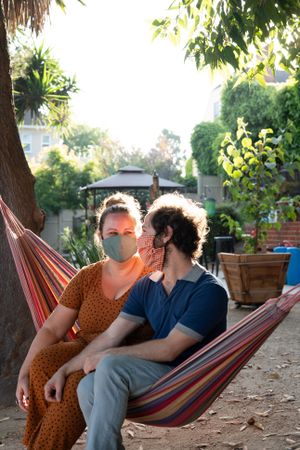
[
  {"x": 112, "y": 337},
  {"x": 53, "y": 330}
]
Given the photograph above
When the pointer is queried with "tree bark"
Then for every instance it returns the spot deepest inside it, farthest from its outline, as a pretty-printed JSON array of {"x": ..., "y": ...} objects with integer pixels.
[{"x": 17, "y": 190}]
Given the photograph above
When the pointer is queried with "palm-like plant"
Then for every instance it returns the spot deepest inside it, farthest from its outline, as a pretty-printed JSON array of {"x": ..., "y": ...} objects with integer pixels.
[
  {"x": 28, "y": 13},
  {"x": 41, "y": 88}
]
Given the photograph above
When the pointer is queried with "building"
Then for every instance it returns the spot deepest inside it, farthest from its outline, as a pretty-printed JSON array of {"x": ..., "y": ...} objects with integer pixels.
[{"x": 34, "y": 138}]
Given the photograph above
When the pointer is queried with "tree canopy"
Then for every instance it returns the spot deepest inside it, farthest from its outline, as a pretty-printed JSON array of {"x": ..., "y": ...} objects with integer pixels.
[
  {"x": 250, "y": 100},
  {"x": 82, "y": 138},
  {"x": 203, "y": 149},
  {"x": 58, "y": 181},
  {"x": 235, "y": 32},
  {"x": 287, "y": 110},
  {"x": 108, "y": 155}
]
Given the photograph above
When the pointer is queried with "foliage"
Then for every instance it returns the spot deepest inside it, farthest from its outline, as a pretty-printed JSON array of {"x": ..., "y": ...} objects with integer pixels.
[
  {"x": 217, "y": 33},
  {"x": 165, "y": 158},
  {"x": 32, "y": 14},
  {"x": 202, "y": 140},
  {"x": 255, "y": 177},
  {"x": 250, "y": 100},
  {"x": 108, "y": 156},
  {"x": 189, "y": 167},
  {"x": 82, "y": 138},
  {"x": 189, "y": 182},
  {"x": 58, "y": 181},
  {"x": 41, "y": 87},
  {"x": 169, "y": 147},
  {"x": 287, "y": 109},
  {"x": 217, "y": 227},
  {"x": 80, "y": 250}
]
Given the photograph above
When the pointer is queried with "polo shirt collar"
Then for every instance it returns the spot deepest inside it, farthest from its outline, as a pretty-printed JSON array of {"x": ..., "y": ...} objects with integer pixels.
[{"x": 193, "y": 275}]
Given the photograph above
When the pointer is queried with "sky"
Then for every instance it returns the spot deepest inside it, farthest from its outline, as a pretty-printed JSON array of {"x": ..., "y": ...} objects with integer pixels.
[{"x": 129, "y": 85}]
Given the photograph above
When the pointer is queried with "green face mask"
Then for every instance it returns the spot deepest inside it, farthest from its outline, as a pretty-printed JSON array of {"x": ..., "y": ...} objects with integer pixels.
[{"x": 119, "y": 248}]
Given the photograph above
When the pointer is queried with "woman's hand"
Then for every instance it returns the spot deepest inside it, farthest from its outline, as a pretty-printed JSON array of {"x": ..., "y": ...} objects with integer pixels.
[
  {"x": 53, "y": 389},
  {"x": 22, "y": 392}
]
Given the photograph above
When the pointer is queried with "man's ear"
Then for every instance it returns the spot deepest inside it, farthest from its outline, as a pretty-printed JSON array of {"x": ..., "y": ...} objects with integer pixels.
[{"x": 168, "y": 233}]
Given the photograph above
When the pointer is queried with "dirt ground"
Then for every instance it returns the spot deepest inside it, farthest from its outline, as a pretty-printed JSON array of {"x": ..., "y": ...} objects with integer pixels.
[{"x": 259, "y": 410}]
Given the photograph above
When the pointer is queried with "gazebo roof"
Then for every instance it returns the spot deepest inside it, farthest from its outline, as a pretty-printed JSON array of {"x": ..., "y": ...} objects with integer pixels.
[{"x": 131, "y": 177}]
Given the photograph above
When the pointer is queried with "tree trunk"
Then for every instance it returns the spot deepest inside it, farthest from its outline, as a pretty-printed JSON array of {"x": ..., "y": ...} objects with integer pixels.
[{"x": 17, "y": 190}]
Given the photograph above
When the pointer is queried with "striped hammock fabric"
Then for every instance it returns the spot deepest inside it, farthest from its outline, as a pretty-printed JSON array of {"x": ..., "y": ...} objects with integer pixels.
[
  {"x": 43, "y": 272},
  {"x": 187, "y": 391}
]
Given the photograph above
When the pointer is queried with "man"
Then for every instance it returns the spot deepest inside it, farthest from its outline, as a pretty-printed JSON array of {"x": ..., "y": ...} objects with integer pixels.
[{"x": 185, "y": 305}]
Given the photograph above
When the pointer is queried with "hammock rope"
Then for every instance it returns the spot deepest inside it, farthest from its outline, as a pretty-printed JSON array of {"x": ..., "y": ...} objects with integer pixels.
[{"x": 185, "y": 392}]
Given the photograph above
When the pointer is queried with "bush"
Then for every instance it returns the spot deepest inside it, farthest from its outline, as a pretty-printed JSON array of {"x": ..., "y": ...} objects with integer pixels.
[
  {"x": 218, "y": 228},
  {"x": 80, "y": 250}
]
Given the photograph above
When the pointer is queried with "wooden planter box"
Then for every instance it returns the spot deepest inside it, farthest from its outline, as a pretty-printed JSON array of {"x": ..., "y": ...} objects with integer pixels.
[{"x": 253, "y": 279}]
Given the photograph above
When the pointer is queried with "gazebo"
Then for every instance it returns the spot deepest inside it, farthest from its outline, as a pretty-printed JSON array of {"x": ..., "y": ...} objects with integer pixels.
[{"x": 130, "y": 178}]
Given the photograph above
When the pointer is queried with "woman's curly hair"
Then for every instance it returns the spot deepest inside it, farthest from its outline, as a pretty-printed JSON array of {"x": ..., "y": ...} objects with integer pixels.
[{"x": 187, "y": 219}]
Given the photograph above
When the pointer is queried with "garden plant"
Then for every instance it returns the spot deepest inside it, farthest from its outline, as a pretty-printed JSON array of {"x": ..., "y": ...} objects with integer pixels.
[{"x": 255, "y": 175}]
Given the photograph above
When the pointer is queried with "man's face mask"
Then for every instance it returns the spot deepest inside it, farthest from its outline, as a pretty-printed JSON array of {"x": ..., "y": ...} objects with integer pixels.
[
  {"x": 120, "y": 248},
  {"x": 151, "y": 257}
]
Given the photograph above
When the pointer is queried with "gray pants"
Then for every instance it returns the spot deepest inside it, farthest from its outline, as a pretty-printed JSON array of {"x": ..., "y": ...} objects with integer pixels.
[{"x": 103, "y": 396}]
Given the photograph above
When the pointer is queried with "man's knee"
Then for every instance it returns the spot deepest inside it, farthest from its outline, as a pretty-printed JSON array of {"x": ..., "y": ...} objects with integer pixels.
[{"x": 85, "y": 387}]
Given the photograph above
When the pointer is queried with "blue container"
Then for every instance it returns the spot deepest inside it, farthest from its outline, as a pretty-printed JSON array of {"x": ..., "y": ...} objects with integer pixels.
[{"x": 293, "y": 273}]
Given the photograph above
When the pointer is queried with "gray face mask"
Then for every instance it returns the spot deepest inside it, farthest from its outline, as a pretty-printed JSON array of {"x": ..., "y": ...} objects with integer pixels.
[{"x": 120, "y": 248}]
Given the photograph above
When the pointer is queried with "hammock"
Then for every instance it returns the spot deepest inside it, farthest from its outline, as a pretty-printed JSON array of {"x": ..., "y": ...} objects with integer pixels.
[{"x": 188, "y": 390}]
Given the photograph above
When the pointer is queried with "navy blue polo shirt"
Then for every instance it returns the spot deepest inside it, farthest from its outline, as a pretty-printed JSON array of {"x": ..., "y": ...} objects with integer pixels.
[{"x": 197, "y": 306}]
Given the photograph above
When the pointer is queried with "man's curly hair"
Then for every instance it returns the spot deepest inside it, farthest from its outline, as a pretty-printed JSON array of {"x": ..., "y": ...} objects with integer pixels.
[{"x": 187, "y": 219}]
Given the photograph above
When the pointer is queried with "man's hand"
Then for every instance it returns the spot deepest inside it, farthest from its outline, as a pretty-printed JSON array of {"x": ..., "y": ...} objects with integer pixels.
[
  {"x": 53, "y": 389},
  {"x": 22, "y": 393},
  {"x": 92, "y": 360}
]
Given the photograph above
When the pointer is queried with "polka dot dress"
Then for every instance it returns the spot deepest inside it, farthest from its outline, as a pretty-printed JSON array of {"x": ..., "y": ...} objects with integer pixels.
[{"x": 57, "y": 426}]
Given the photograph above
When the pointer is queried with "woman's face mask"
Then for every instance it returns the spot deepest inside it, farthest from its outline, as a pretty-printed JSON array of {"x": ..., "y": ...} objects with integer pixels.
[
  {"x": 151, "y": 257},
  {"x": 120, "y": 247}
]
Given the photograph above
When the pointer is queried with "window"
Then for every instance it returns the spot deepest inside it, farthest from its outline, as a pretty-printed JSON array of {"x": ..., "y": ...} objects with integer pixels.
[
  {"x": 26, "y": 140},
  {"x": 46, "y": 140}
]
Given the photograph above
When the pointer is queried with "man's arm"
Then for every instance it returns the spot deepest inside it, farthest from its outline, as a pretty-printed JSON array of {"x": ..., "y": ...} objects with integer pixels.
[
  {"x": 112, "y": 337},
  {"x": 158, "y": 350}
]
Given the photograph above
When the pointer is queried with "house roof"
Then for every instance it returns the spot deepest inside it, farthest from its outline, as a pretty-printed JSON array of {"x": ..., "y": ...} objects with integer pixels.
[{"x": 131, "y": 177}]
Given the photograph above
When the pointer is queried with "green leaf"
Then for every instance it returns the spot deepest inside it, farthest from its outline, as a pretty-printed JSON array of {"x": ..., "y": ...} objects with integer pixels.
[
  {"x": 239, "y": 133},
  {"x": 230, "y": 57},
  {"x": 155, "y": 34},
  {"x": 230, "y": 150},
  {"x": 238, "y": 161},
  {"x": 246, "y": 142},
  {"x": 236, "y": 36},
  {"x": 237, "y": 174},
  {"x": 227, "y": 167}
]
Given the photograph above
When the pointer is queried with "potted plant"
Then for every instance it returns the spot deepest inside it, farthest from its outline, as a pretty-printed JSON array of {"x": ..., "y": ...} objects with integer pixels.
[{"x": 254, "y": 180}]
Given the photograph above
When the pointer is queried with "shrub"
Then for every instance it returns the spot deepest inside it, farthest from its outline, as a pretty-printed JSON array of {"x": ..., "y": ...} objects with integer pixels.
[{"x": 218, "y": 228}]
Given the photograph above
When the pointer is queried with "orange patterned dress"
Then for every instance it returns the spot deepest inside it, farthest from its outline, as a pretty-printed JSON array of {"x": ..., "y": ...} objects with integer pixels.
[{"x": 57, "y": 426}]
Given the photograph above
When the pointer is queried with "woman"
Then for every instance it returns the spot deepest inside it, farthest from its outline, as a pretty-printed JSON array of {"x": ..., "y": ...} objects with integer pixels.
[{"x": 94, "y": 297}]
